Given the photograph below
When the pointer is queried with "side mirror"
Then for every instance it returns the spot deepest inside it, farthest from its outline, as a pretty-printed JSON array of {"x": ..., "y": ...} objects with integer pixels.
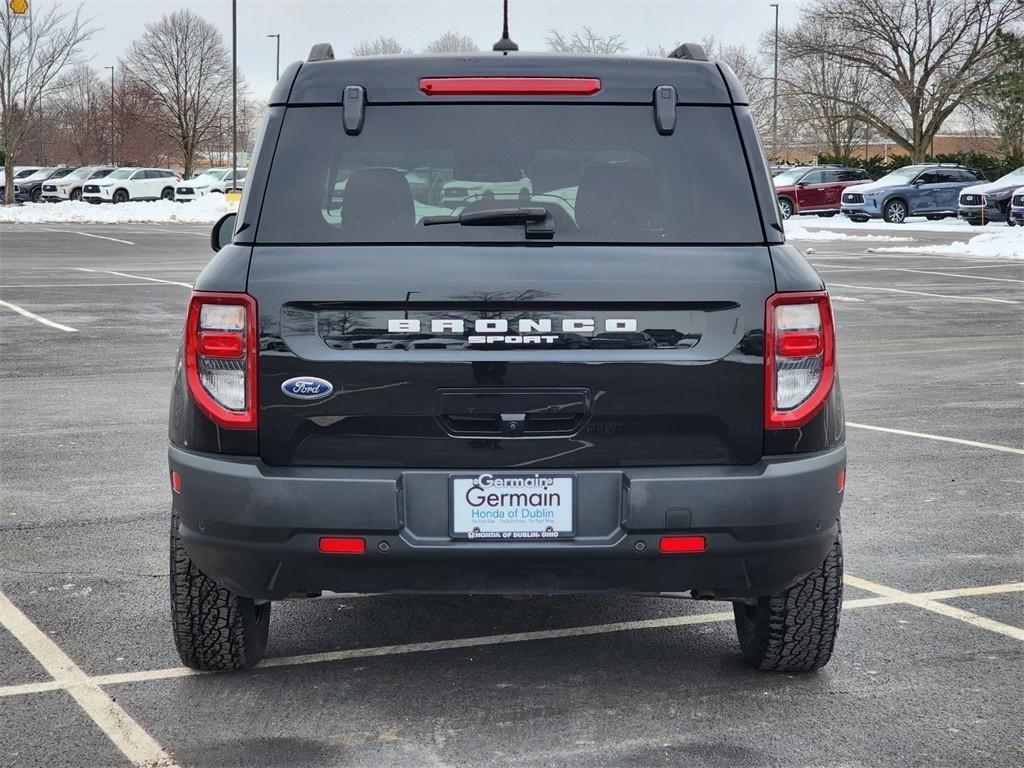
[
  {"x": 222, "y": 231},
  {"x": 803, "y": 183}
]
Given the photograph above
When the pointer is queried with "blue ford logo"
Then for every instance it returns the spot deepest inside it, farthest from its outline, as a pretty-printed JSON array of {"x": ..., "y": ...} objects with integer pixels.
[{"x": 307, "y": 388}]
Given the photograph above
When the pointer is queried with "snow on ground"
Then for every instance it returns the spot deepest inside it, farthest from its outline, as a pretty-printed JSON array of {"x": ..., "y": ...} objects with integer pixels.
[
  {"x": 796, "y": 231},
  {"x": 916, "y": 224},
  {"x": 1005, "y": 243},
  {"x": 204, "y": 210}
]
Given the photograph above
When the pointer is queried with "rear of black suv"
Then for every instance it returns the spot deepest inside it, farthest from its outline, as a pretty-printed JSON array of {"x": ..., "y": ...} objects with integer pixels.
[{"x": 590, "y": 370}]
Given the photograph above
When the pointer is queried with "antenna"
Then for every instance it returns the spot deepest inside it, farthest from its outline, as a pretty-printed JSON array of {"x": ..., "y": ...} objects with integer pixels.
[{"x": 505, "y": 44}]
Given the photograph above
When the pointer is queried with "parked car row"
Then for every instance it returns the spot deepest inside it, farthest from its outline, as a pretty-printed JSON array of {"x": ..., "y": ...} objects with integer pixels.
[
  {"x": 107, "y": 184},
  {"x": 935, "y": 191},
  {"x": 983, "y": 203}
]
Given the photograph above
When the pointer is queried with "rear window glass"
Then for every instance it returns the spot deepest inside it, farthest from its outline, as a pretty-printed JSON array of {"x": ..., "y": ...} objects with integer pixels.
[{"x": 602, "y": 171}]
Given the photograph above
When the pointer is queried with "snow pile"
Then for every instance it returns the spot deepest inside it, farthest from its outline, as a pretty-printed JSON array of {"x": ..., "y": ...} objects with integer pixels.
[
  {"x": 203, "y": 210},
  {"x": 795, "y": 231},
  {"x": 916, "y": 224},
  {"x": 1005, "y": 243}
]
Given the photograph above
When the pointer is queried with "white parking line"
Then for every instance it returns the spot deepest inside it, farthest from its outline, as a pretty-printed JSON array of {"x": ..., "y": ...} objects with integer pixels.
[
  {"x": 126, "y": 734},
  {"x": 922, "y": 293},
  {"x": 889, "y": 597},
  {"x": 1017, "y": 633},
  {"x": 38, "y": 318},
  {"x": 939, "y": 438},
  {"x": 135, "y": 277},
  {"x": 847, "y": 268},
  {"x": 76, "y": 285},
  {"x": 104, "y": 237}
]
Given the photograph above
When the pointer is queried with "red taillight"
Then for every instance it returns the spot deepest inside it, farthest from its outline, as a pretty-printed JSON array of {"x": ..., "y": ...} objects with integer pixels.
[
  {"x": 342, "y": 545},
  {"x": 676, "y": 545},
  {"x": 227, "y": 344},
  {"x": 220, "y": 357},
  {"x": 510, "y": 86},
  {"x": 799, "y": 357}
]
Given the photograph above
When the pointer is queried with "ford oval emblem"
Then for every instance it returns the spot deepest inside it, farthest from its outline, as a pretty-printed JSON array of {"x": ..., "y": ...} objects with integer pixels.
[{"x": 307, "y": 388}]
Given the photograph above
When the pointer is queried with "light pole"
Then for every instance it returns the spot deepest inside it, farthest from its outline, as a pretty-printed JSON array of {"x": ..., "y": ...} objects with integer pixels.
[
  {"x": 277, "y": 66},
  {"x": 775, "y": 87},
  {"x": 234, "y": 93},
  {"x": 111, "y": 114}
]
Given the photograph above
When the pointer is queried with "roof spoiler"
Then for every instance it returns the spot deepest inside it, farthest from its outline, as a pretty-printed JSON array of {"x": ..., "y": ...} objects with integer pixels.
[
  {"x": 321, "y": 52},
  {"x": 689, "y": 52}
]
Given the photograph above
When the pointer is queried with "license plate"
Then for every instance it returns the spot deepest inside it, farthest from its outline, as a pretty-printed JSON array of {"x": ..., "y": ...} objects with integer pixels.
[{"x": 504, "y": 507}]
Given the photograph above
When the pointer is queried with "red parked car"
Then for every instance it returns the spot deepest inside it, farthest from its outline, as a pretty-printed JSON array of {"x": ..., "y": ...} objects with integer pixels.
[{"x": 815, "y": 188}]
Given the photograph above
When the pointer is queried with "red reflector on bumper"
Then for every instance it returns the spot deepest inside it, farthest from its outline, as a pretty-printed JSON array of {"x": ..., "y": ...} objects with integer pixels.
[
  {"x": 342, "y": 545},
  {"x": 841, "y": 483},
  {"x": 680, "y": 544},
  {"x": 175, "y": 482}
]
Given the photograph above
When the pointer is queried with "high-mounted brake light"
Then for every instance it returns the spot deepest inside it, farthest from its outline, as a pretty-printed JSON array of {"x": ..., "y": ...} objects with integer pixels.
[
  {"x": 510, "y": 86},
  {"x": 799, "y": 357},
  {"x": 220, "y": 357}
]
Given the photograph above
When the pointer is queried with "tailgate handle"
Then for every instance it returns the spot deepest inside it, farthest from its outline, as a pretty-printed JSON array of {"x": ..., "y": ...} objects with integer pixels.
[{"x": 513, "y": 413}]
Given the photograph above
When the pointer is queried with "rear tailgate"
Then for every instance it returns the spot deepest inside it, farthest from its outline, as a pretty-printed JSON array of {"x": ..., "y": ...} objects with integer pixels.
[{"x": 661, "y": 362}]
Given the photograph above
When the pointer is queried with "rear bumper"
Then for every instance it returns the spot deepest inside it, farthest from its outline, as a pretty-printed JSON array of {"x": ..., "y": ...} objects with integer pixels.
[{"x": 255, "y": 529}]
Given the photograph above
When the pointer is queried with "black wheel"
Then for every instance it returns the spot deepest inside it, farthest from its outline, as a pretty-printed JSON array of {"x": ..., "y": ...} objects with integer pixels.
[
  {"x": 785, "y": 207},
  {"x": 1009, "y": 218},
  {"x": 121, "y": 196},
  {"x": 795, "y": 630},
  {"x": 213, "y": 627},
  {"x": 167, "y": 193},
  {"x": 76, "y": 194},
  {"x": 895, "y": 211},
  {"x": 35, "y": 194}
]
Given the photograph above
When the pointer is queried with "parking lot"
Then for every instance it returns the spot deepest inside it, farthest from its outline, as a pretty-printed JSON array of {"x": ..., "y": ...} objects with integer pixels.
[{"x": 929, "y": 667}]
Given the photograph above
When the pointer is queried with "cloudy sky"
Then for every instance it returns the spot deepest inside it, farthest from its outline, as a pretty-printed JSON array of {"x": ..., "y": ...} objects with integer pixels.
[{"x": 345, "y": 23}]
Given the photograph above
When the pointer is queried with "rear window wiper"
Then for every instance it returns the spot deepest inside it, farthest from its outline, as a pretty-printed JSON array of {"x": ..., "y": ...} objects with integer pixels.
[{"x": 537, "y": 220}]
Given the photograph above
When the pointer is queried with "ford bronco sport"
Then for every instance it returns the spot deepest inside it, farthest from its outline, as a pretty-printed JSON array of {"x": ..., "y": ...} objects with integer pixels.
[{"x": 612, "y": 378}]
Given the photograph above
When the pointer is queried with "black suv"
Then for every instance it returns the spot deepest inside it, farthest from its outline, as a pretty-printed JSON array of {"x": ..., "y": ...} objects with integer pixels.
[{"x": 593, "y": 372}]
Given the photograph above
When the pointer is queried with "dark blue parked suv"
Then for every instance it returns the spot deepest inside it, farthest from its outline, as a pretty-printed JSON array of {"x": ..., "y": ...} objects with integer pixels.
[{"x": 915, "y": 190}]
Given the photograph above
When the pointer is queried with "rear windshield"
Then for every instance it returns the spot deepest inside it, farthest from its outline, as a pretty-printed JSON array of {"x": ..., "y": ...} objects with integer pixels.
[{"x": 602, "y": 171}]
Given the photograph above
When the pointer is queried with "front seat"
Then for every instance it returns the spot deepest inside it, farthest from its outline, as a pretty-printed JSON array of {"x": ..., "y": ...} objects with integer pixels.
[
  {"x": 378, "y": 205},
  {"x": 616, "y": 200}
]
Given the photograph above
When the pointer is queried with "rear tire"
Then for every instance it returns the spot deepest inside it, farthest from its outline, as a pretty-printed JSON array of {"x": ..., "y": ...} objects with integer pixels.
[
  {"x": 213, "y": 627},
  {"x": 35, "y": 194},
  {"x": 167, "y": 193},
  {"x": 76, "y": 194},
  {"x": 795, "y": 630}
]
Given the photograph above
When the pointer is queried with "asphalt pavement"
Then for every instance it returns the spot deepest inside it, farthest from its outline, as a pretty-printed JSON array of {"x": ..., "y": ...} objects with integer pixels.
[{"x": 928, "y": 668}]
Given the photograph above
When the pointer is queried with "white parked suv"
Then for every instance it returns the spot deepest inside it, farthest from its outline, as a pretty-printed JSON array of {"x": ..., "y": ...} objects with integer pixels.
[
  {"x": 70, "y": 187},
  {"x": 213, "y": 180},
  {"x": 126, "y": 184}
]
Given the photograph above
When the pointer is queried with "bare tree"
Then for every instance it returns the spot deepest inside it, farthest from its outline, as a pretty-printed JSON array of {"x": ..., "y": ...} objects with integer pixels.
[
  {"x": 828, "y": 95},
  {"x": 35, "y": 48},
  {"x": 78, "y": 116},
  {"x": 183, "y": 62},
  {"x": 585, "y": 41},
  {"x": 379, "y": 47},
  {"x": 923, "y": 58},
  {"x": 452, "y": 42}
]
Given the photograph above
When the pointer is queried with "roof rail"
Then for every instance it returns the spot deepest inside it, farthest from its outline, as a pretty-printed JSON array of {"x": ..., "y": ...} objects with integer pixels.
[
  {"x": 690, "y": 52},
  {"x": 321, "y": 52}
]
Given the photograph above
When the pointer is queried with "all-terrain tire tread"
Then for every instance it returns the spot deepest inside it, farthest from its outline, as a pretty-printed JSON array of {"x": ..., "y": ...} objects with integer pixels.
[
  {"x": 211, "y": 628},
  {"x": 795, "y": 630}
]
